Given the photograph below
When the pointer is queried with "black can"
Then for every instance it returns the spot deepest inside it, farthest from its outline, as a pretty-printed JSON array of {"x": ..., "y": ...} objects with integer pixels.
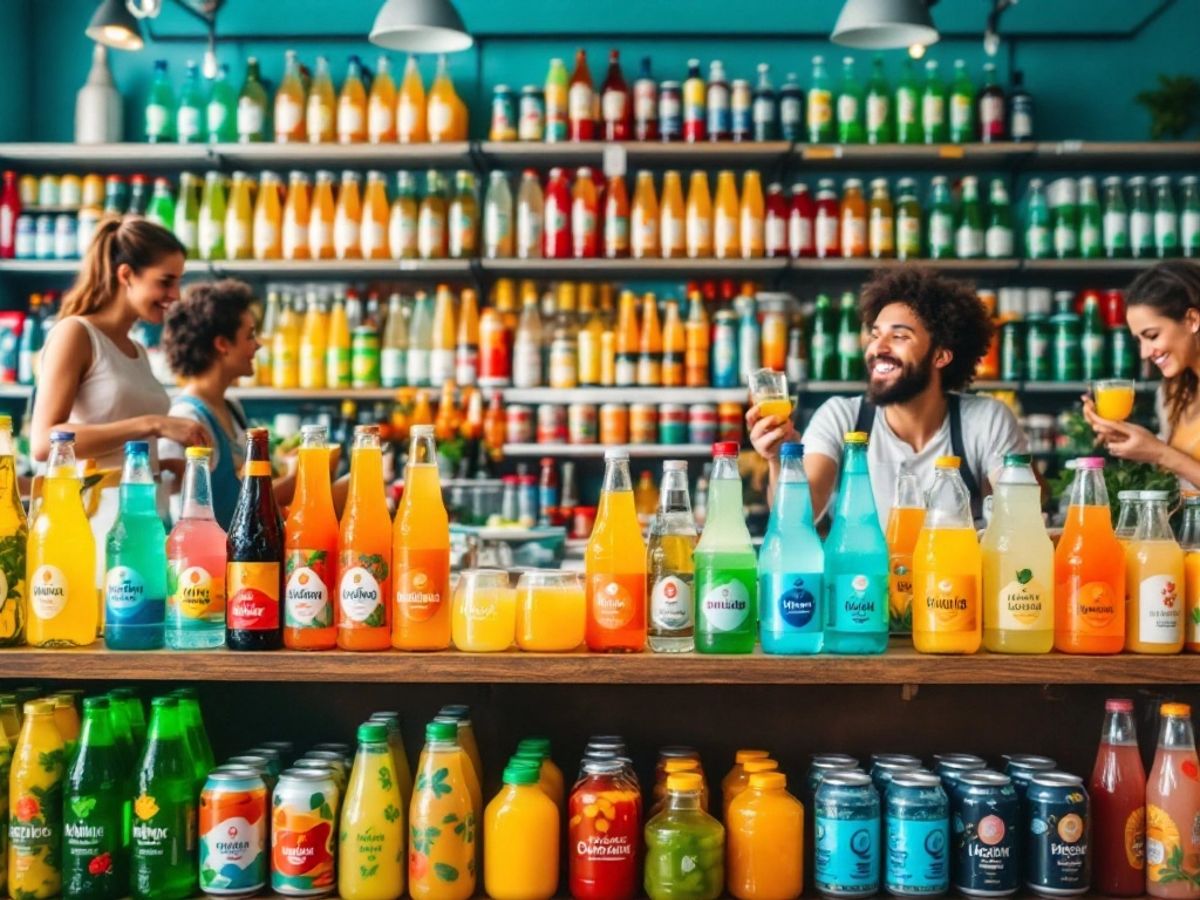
[
  {"x": 987, "y": 818},
  {"x": 1021, "y": 767},
  {"x": 1057, "y": 834}
]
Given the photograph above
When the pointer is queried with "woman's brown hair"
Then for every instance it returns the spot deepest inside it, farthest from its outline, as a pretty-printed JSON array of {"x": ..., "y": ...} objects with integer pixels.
[
  {"x": 119, "y": 240},
  {"x": 1171, "y": 289}
]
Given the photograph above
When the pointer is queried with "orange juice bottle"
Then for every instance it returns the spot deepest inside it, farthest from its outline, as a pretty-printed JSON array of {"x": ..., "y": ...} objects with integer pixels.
[
  {"x": 402, "y": 223},
  {"x": 1154, "y": 581},
  {"x": 285, "y": 349},
  {"x": 643, "y": 218},
  {"x": 289, "y": 103},
  {"x": 674, "y": 373},
  {"x": 296, "y": 214},
  {"x": 445, "y": 336},
  {"x": 672, "y": 230},
  {"x": 347, "y": 219},
  {"x": 697, "y": 340},
  {"x": 363, "y": 610},
  {"x": 268, "y": 218},
  {"x": 649, "y": 370},
  {"x": 441, "y": 859},
  {"x": 853, "y": 220},
  {"x": 443, "y": 115},
  {"x": 615, "y": 562},
  {"x": 520, "y": 839},
  {"x": 375, "y": 214},
  {"x": 310, "y": 542},
  {"x": 616, "y": 219},
  {"x": 352, "y": 106},
  {"x": 421, "y": 553},
  {"x": 903, "y": 528},
  {"x": 699, "y": 217},
  {"x": 321, "y": 218},
  {"x": 1089, "y": 569},
  {"x": 381, "y": 105},
  {"x": 410, "y": 106},
  {"x": 314, "y": 343},
  {"x": 765, "y": 840},
  {"x": 752, "y": 219},
  {"x": 1189, "y": 540},
  {"x": 627, "y": 342},
  {"x": 321, "y": 112},
  {"x": 736, "y": 778},
  {"x": 726, "y": 213},
  {"x": 239, "y": 218}
]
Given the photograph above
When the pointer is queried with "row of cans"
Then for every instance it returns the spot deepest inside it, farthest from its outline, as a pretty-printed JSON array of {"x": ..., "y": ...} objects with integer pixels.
[
  {"x": 620, "y": 423},
  {"x": 917, "y": 833}
]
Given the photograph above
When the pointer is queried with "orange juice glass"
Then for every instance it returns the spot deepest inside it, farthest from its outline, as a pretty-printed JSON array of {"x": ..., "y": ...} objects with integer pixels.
[
  {"x": 1114, "y": 398},
  {"x": 483, "y": 612},
  {"x": 551, "y": 611},
  {"x": 769, "y": 391},
  {"x": 364, "y": 613},
  {"x": 310, "y": 542}
]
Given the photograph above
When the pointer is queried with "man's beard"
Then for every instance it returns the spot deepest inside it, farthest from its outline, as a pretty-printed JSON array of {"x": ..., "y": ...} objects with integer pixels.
[{"x": 914, "y": 378}]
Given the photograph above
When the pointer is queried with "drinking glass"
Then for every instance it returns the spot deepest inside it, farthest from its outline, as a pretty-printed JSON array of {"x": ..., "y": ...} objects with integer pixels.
[
  {"x": 550, "y": 611},
  {"x": 484, "y": 613},
  {"x": 769, "y": 391},
  {"x": 1114, "y": 398}
]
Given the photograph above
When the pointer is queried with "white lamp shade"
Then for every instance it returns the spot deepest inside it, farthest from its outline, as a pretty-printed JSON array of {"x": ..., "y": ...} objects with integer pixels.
[
  {"x": 884, "y": 24},
  {"x": 420, "y": 26},
  {"x": 113, "y": 25}
]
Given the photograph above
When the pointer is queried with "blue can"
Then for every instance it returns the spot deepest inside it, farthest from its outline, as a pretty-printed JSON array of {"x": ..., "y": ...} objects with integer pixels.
[
  {"x": 725, "y": 350},
  {"x": 950, "y": 766},
  {"x": 1021, "y": 767},
  {"x": 987, "y": 818},
  {"x": 822, "y": 765},
  {"x": 1057, "y": 834},
  {"x": 885, "y": 765},
  {"x": 847, "y": 817},
  {"x": 43, "y": 237},
  {"x": 917, "y": 832}
]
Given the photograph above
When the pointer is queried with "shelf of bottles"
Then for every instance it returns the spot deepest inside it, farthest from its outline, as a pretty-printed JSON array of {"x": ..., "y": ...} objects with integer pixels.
[{"x": 593, "y": 451}]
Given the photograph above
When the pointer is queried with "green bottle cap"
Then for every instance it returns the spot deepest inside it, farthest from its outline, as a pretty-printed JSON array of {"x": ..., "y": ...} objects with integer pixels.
[
  {"x": 372, "y": 733},
  {"x": 441, "y": 731},
  {"x": 1018, "y": 459},
  {"x": 95, "y": 704},
  {"x": 537, "y": 744},
  {"x": 520, "y": 775},
  {"x": 527, "y": 756}
]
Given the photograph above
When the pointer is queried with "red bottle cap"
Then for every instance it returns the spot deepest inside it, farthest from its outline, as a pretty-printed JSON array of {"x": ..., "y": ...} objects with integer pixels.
[
  {"x": 725, "y": 448},
  {"x": 1118, "y": 706}
]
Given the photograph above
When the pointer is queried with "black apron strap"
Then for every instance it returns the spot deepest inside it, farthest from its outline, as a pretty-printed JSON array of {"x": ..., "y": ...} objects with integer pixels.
[
  {"x": 865, "y": 420},
  {"x": 958, "y": 448}
]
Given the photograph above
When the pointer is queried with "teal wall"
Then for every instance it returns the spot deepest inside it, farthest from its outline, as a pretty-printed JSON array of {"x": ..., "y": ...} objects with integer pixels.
[{"x": 1080, "y": 61}]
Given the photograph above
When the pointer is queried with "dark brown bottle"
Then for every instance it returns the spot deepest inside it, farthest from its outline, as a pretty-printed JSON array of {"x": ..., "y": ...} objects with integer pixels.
[{"x": 254, "y": 577}]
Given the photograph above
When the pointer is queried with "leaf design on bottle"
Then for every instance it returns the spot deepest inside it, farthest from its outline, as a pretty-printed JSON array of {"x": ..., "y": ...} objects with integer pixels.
[
  {"x": 145, "y": 807},
  {"x": 1024, "y": 576}
]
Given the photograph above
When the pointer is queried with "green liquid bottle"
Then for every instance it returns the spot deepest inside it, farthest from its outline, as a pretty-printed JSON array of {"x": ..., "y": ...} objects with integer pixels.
[
  {"x": 1166, "y": 219},
  {"x": 189, "y": 117},
  {"x": 933, "y": 106},
  {"x": 187, "y": 214},
  {"x": 941, "y": 220},
  {"x": 822, "y": 352},
  {"x": 1116, "y": 219},
  {"x": 963, "y": 127},
  {"x": 221, "y": 111},
  {"x": 1037, "y": 222},
  {"x": 160, "y": 107},
  {"x": 851, "y": 366},
  {"x": 134, "y": 715},
  {"x": 211, "y": 230},
  {"x": 1064, "y": 214},
  {"x": 880, "y": 128},
  {"x": 252, "y": 107},
  {"x": 908, "y": 220},
  {"x": 819, "y": 114},
  {"x": 162, "y": 205},
  {"x": 1091, "y": 220},
  {"x": 1095, "y": 342},
  {"x": 968, "y": 234},
  {"x": 197, "y": 737},
  {"x": 1189, "y": 217},
  {"x": 908, "y": 107},
  {"x": 998, "y": 240},
  {"x": 851, "y": 125},
  {"x": 1141, "y": 219}
]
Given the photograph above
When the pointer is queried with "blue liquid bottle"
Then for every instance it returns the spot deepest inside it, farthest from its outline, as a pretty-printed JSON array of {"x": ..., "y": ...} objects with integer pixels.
[
  {"x": 135, "y": 586},
  {"x": 856, "y": 562},
  {"x": 791, "y": 565}
]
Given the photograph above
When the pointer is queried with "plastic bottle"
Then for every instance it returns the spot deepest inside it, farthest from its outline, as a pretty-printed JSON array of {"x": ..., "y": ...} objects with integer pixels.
[
  {"x": 765, "y": 840},
  {"x": 220, "y": 113},
  {"x": 372, "y": 823},
  {"x": 189, "y": 116},
  {"x": 290, "y": 103},
  {"x": 671, "y": 543},
  {"x": 160, "y": 107},
  {"x": 434, "y": 799},
  {"x": 521, "y": 839},
  {"x": 616, "y": 565},
  {"x": 252, "y": 106},
  {"x": 685, "y": 846},
  {"x": 321, "y": 110}
]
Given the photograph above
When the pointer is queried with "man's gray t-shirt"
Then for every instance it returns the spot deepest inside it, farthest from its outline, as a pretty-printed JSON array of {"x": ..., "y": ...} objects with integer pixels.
[{"x": 989, "y": 430}]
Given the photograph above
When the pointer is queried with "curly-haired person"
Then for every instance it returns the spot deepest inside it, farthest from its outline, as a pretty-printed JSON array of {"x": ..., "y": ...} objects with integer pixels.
[{"x": 927, "y": 333}]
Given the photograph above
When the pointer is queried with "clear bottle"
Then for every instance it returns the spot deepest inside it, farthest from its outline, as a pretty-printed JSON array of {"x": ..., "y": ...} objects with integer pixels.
[
  {"x": 189, "y": 117},
  {"x": 196, "y": 557},
  {"x": 352, "y": 106},
  {"x": 530, "y": 216},
  {"x": 1154, "y": 573},
  {"x": 498, "y": 237},
  {"x": 963, "y": 127},
  {"x": 851, "y": 112},
  {"x": 1038, "y": 243},
  {"x": 998, "y": 239},
  {"x": 1141, "y": 219},
  {"x": 1172, "y": 798},
  {"x": 320, "y": 114},
  {"x": 670, "y": 544},
  {"x": 1166, "y": 219},
  {"x": 671, "y": 871},
  {"x": 289, "y": 102},
  {"x": 402, "y": 221}
]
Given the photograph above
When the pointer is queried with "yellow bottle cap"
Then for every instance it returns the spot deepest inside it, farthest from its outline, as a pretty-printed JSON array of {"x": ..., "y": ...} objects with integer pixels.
[
  {"x": 760, "y": 765},
  {"x": 856, "y": 437},
  {"x": 768, "y": 781},
  {"x": 198, "y": 452},
  {"x": 5, "y": 423},
  {"x": 744, "y": 756},
  {"x": 947, "y": 462},
  {"x": 684, "y": 782},
  {"x": 675, "y": 766},
  {"x": 1175, "y": 709}
]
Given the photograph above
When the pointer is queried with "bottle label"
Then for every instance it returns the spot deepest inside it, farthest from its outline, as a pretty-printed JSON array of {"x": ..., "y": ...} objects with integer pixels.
[
  {"x": 616, "y": 233},
  {"x": 991, "y": 114},
  {"x": 320, "y": 236},
  {"x": 847, "y": 109},
  {"x": 422, "y": 580},
  {"x": 699, "y": 235},
  {"x": 1037, "y": 241},
  {"x": 854, "y": 236},
  {"x": 431, "y": 226},
  {"x": 1141, "y": 230},
  {"x": 800, "y": 234},
  {"x": 156, "y": 120},
  {"x": 194, "y": 592},
  {"x": 999, "y": 242},
  {"x": 777, "y": 234},
  {"x": 726, "y": 607},
  {"x": 48, "y": 593},
  {"x": 529, "y": 231},
  {"x": 379, "y": 120},
  {"x": 466, "y": 364},
  {"x": 933, "y": 111},
  {"x": 579, "y": 102},
  {"x": 346, "y": 235},
  {"x": 164, "y": 831},
  {"x": 253, "y": 596},
  {"x": 1095, "y": 605},
  {"x": 820, "y": 109},
  {"x": 1116, "y": 230},
  {"x": 859, "y": 603},
  {"x": 407, "y": 119},
  {"x": 1160, "y": 610},
  {"x": 1066, "y": 239},
  {"x": 918, "y": 858},
  {"x": 951, "y": 602},
  {"x": 671, "y": 604},
  {"x": 796, "y": 599},
  {"x": 350, "y": 119},
  {"x": 583, "y": 226},
  {"x": 673, "y": 237},
  {"x": 906, "y": 107},
  {"x": 613, "y": 604},
  {"x": 249, "y": 117},
  {"x": 961, "y": 113},
  {"x": 1135, "y": 838},
  {"x": 882, "y": 229},
  {"x": 527, "y": 365},
  {"x": 564, "y": 366},
  {"x": 613, "y": 105},
  {"x": 393, "y": 366},
  {"x": 763, "y": 110},
  {"x": 288, "y": 115},
  {"x": 968, "y": 242},
  {"x": 497, "y": 223},
  {"x": 92, "y": 835},
  {"x": 239, "y": 235},
  {"x": 1165, "y": 859},
  {"x": 941, "y": 231},
  {"x": 211, "y": 234},
  {"x": 1025, "y": 604},
  {"x": 187, "y": 123},
  {"x": 402, "y": 233},
  {"x": 1189, "y": 221},
  {"x": 441, "y": 365},
  {"x": 849, "y": 344},
  {"x": 359, "y": 596},
  {"x": 726, "y": 233},
  {"x": 789, "y": 112},
  {"x": 295, "y": 235},
  {"x": 216, "y": 117},
  {"x": 33, "y": 827},
  {"x": 320, "y": 118},
  {"x": 645, "y": 100},
  {"x": 306, "y": 596},
  {"x": 847, "y": 855},
  {"x": 877, "y": 113}
]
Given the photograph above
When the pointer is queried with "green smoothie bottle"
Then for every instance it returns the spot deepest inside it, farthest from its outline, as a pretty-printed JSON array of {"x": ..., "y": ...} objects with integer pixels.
[{"x": 685, "y": 846}]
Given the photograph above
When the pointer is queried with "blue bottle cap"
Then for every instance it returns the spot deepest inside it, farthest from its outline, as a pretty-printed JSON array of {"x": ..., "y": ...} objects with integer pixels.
[
  {"x": 792, "y": 450},
  {"x": 58, "y": 435},
  {"x": 137, "y": 447}
]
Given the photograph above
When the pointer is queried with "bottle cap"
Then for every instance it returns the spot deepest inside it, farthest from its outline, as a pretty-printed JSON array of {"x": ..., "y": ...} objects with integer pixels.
[
  {"x": 677, "y": 765},
  {"x": 1180, "y": 710},
  {"x": 856, "y": 437},
  {"x": 768, "y": 781},
  {"x": 61, "y": 435},
  {"x": 458, "y": 711},
  {"x": 616, "y": 453},
  {"x": 744, "y": 756},
  {"x": 441, "y": 731},
  {"x": 947, "y": 462},
  {"x": 760, "y": 765},
  {"x": 1118, "y": 706},
  {"x": 1018, "y": 459},
  {"x": 725, "y": 448},
  {"x": 198, "y": 453},
  {"x": 535, "y": 744},
  {"x": 792, "y": 450},
  {"x": 520, "y": 775},
  {"x": 685, "y": 782},
  {"x": 373, "y": 733},
  {"x": 93, "y": 704},
  {"x": 1089, "y": 462}
]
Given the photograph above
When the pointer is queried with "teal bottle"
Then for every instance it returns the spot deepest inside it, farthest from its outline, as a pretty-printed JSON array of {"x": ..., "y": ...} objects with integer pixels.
[
  {"x": 189, "y": 117},
  {"x": 135, "y": 586},
  {"x": 1038, "y": 241},
  {"x": 856, "y": 562},
  {"x": 96, "y": 811},
  {"x": 221, "y": 111},
  {"x": 791, "y": 564},
  {"x": 160, "y": 107},
  {"x": 726, "y": 568}
]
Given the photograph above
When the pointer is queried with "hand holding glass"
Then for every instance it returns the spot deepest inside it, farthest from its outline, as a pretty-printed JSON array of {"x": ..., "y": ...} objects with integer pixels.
[{"x": 769, "y": 391}]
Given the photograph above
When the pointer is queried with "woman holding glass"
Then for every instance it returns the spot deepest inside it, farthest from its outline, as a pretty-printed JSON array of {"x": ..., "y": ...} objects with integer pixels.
[{"x": 1163, "y": 312}]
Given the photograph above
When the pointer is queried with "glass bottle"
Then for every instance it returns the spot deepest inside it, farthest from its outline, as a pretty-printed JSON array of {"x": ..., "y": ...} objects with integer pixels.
[
  {"x": 969, "y": 233},
  {"x": 670, "y": 545},
  {"x": 252, "y": 106},
  {"x": 998, "y": 239},
  {"x": 851, "y": 114},
  {"x": 822, "y": 127},
  {"x": 1020, "y": 109},
  {"x": 1091, "y": 220},
  {"x": 1037, "y": 222},
  {"x": 289, "y": 102},
  {"x": 1172, "y": 798},
  {"x": 1064, "y": 217},
  {"x": 993, "y": 125},
  {"x": 1189, "y": 217},
  {"x": 1117, "y": 792},
  {"x": 160, "y": 106},
  {"x": 1141, "y": 219},
  {"x": 940, "y": 244},
  {"x": 908, "y": 106},
  {"x": 791, "y": 109},
  {"x": 254, "y": 578},
  {"x": 933, "y": 105},
  {"x": 220, "y": 114},
  {"x": 718, "y": 113},
  {"x": 962, "y": 106},
  {"x": 189, "y": 117},
  {"x": 135, "y": 587},
  {"x": 766, "y": 113},
  {"x": 880, "y": 126},
  {"x": 908, "y": 220},
  {"x": 1166, "y": 219}
]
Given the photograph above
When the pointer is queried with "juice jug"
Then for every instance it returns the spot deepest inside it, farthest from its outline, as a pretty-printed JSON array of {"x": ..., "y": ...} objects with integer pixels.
[
  {"x": 314, "y": 344},
  {"x": 421, "y": 552},
  {"x": 410, "y": 106},
  {"x": 445, "y": 115},
  {"x": 268, "y": 218},
  {"x": 616, "y": 565},
  {"x": 765, "y": 837},
  {"x": 363, "y": 613},
  {"x": 63, "y": 607},
  {"x": 289, "y": 103},
  {"x": 35, "y": 797},
  {"x": 375, "y": 214},
  {"x": 347, "y": 219},
  {"x": 669, "y": 566},
  {"x": 685, "y": 846},
  {"x": 791, "y": 565},
  {"x": 699, "y": 223},
  {"x": 239, "y": 218},
  {"x": 311, "y": 542},
  {"x": 441, "y": 860},
  {"x": 372, "y": 828},
  {"x": 1172, "y": 798},
  {"x": 381, "y": 105},
  {"x": 254, "y": 546},
  {"x": 14, "y": 537},
  {"x": 644, "y": 219},
  {"x": 196, "y": 563},
  {"x": 856, "y": 561},
  {"x": 1154, "y": 582},
  {"x": 604, "y": 833},
  {"x": 1089, "y": 569},
  {"x": 520, "y": 840},
  {"x": 672, "y": 229},
  {"x": 321, "y": 112},
  {"x": 1118, "y": 796},
  {"x": 1018, "y": 565},
  {"x": 726, "y": 214},
  {"x": 752, "y": 219},
  {"x": 905, "y": 519},
  {"x": 947, "y": 568},
  {"x": 321, "y": 218},
  {"x": 135, "y": 587},
  {"x": 352, "y": 106},
  {"x": 736, "y": 778},
  {"x": 1189, "y": 540}
]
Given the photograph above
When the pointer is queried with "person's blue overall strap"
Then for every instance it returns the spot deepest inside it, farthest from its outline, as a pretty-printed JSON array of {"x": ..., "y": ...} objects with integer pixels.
[
  {"x": 866, "y": 419},
  {"x": 225, "y": 482}
]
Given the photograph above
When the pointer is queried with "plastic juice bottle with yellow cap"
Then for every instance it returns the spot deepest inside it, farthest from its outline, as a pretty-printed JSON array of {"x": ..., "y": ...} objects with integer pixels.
[{"x": 13, "y": 538}]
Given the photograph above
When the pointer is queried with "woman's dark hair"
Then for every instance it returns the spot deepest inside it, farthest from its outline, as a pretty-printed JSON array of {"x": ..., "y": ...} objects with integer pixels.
[
  {"x": 119, "y": 240},
  {"x": 1170, "y": 289},
  {"x": 207, "y": 311},
  {"x": 954, "y": 316}
]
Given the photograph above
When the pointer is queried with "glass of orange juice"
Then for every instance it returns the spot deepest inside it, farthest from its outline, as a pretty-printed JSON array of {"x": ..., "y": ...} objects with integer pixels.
[
  {"x": 483, "y": 614},
  {"x": 551, "y": 611},
  {"x": 769, "y": 391},
  {"x": 1114, "y": 398}
]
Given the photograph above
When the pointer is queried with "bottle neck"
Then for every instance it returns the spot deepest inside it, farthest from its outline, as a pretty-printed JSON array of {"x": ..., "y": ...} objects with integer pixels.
[
  {"x": 1118, "y": 730},
  {"x": 197, "y": 490},
  {"x": 165, "y": 725},
  {"x": 1153, "y": 524},
  {"x": 422, "y": 450},
  {"x": 1088, "y": 488},
  {"x": 96, "y": 729},
  {"x": 673, "y": 494},
  {"x": 683, "y": 800},
  {"x": 1176, "y": 734},
  {"x": 616, "y": 476}
]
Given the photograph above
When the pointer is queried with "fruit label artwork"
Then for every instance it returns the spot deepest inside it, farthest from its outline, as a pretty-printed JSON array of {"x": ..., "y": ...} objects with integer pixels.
[
  {"x": 1023, "y": 605},
  {"x": 1160, "y": 610},
  {"x": 253, "y": 596},
  {"x": 306, "y": 595},
  {"x": 951, "y": 602},
  {"x": 164, "y": 832},
  {"x": 193, "y": 592},
  {"x": 92, "y": 836},
  {"x": 302, "y": 845},
  {"x": 359, "y": 591}
]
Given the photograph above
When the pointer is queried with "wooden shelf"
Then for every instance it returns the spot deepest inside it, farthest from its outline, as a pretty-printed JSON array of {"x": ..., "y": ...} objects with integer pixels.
[
  {"x": 637, "y": 154},
  {"x": 911, "y": 156},
  {"x": 866, "y": 264},
  {"x": 315, "y": 156},
  {"x": 1140, "y": 155},
  {"x": 125, "y": 157}
]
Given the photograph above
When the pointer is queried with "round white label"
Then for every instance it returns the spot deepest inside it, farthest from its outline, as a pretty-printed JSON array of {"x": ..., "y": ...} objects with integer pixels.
[
  {"x": 48, "y": 592},
  {"x": 305, "y": 596},
  {"x": 360, "y": 594},
  {"x": 671, "y": 604},
  {"x": 726, "y": 606}
]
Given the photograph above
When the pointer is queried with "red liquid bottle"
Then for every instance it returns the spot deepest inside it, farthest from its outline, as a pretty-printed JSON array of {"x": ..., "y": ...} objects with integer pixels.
[
  {"x": 801, "y": 222},
  {"x": 615, "y": 108},
  {"x": 776, "y": 229},
  {"x": 604, "y": 849},
  {"x": 581, "y": 113},
  {"x": 1118, "y": 792},
  {"x": 10, "y": 210},
  {"x": 556, "y": 237},
  {"x": 827, "y": 225},
  {"x": 255, "y": 548}
]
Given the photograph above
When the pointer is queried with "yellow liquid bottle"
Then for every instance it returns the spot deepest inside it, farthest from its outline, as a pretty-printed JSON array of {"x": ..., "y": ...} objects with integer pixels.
[
  {"x": 285, "y": 348},
  {"x": 726, "y": 215},
  {"x": 699, "y": 217},
  {"x": 381, "y": 105},
  {"x": 320, "y": 112},
  {"x": 444, "y": 116},
  {"x": 239, "y": 218},
  {"x": 289, "y": 103},
  {"x": 431, "y": 219},
  {"x": 402, "y": 223},
  {"x": 296, "y": 214},
  {"x": 1155, "y": 597},
  {"x": 352, "y": 106},
  {"x": 347, "y": 219},
  {"x": 321, "y": 219},
  {"x": 521, "y": 836},
  {"x": 314, "y": 341},
  {"x": 35, "y": 805},
  {"x": 14, "y": 537},
  {"x": 372, "y": 828},
  {"x": 337, "y": 352},
  {"x": 410, "y": 106},
  {"x": 374, "y": 231},
  {"x": 268, "y": 219},
  {"x": 752, "y": 221},
  {"x": 672, "y": 229},
  {"x": 643, "y": 219},
  {"x": 441, "y": 860},
  {"x": 64, "y": 605}
]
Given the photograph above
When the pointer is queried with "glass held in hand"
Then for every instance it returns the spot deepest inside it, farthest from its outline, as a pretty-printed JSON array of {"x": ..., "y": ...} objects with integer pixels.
[
  {"x": 1114, "y": 398},
  {"x": 769, "y": 391}
]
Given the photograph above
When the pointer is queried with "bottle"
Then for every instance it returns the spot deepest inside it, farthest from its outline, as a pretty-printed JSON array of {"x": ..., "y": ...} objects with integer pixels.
[
  {"x": 189, "y": 116},
  {"x": 372, "y": 828},
  {"x": 650, "y": 345},
  {"x": 521, "y": 838},
  {"x": 672, "y": 218},
  {"x": 645, "y": 104},
  {"x": 557, "y": 231},
  {"x": 1189, "y": 217},
  {"x": 160, "y": 107},
  {"x": 791, "y": 563},
  {"x": 557, "y": 93},
  {"x": 61, "y": 559},
  {"x": 1118, "y": 797},
  {"x": 444, "y": 334},
  {"x": 239, "y": 218},
  {"x": 671, "y": 543},
  {"x": 726, "y": 215},
  {"x": 1166, "y": 219},
  {"x": 311, "y": 543},
  {"x": 791, "y": 109},
  {"x": 1141, "y": 219},
  {"x": 695, "y": 102},
  {"x": 252, "y": 107},
  {"x": 644, "y": 219},
  {"x": 998, "y": 238},
  {"x": 765, "y": 110},
  {"x": 322, "y": 218},
  {"x": 880, "y": 129},
  {"x": 821, "y": 124},
  {"x": 466, "y": 347},
  {"x": 1189, "y": 540},
  {"x": 363, "y": 613},
  {"x": 463, "y": 218},
  {"x": 376, "y": 213},
  {"x": 211, "y": 238},
  {"x": 775, "y": 229},
  {"x": 969, "y": 232},
  {"x": 726, "y": 568},
  {"x": 993, "y": 124},
  {"x": 393, "y": 355},
  {"x": 827, "y": 221},
  {"x": 220, "y": 114},
  {"x": 941, "y": 241},
  {"x": 1172, "y": 798},
  {"x": 1020, "y": 109},
  {"x": 35, "y": 812},
  {"x": 268, "y": 218},
  {"x": 947, "y": 568},
  {"x": 765, "y": 840},
  {"x": 616, "y": 218},
  {"x": 752, "y": 215},
  {"x": 421, "y": 553},
  {"x": 161, "y": 210},
  {"x": 163, "y": 861},
  {"x": 285, "y": 352},
  {"x": 856, "y": 561},
  {"x": 697, "y": 343},
  {"x": 347, "y": 219},
  {"x": 718, "y": 120},
  {"x": 849, "y": 340},
  {"x": 498, "y": 238},
  {"x": 1064, "y": 217},
  {"x": 581, "y": 121},
  {"x": 698, "y": 218},
  {"x": 933, "y": 106},
  {"x": 963, "y": 127},
  {"x": 381, "y": 105},
  {"x": 909, "y": 127},
  {"x": 290, "y": 103},
  {"x": 402, "y": 238},
  {"x": 881, "y": 222},
  {"x": 13, "y": 541},
  {"x": 616, "y": 565},
  {"x": 1037, "y": 222},
  {"x": 1154, "y": 577},
  {"x": 682, "y": 822},
  {"x": 615, "y": 106},
  {"x": 851, "y": 106},
  {"x": 254, "y": 575},
  {"x": 322, "y": 107},
  {"x": 297, "y": 211},
  {"x": 905, "y": 520},
  {"x": 441, "y": 866},
  {"x": 1089, "y": 569},
  {"x": 96, "y": 806},
  {"x": 135, "y": 587},
  {"x": 530, "y": 218},
  {"x": 853, "y": 220},
  {"x": 337, "y": 346},
  {"x": 584, "y": 239},
  {"x": 411, "y": 105}
]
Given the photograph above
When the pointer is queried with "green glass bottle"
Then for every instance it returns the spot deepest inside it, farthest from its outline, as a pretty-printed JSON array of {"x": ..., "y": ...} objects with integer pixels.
[
  {"x": 851, "y": 366},
  {"x": 998, "y": 240},
  {"x": 1116, "y": 219},
  {"x": 963, "y": 127},
  {"x": 1141, "y": 219},
  {"x": 197, "y": 737},
  {"x": 851, "y": 115},
  {"x": 1095, "y": 341},
  {"x": 908, "y": 220},
  {"x": 1091, "y": 220},
  {"x": 118, "y": 719},
  {"x": 1064, "y": 216},
  {"x": 819, "y": 113},
  {"x": 252, "y": 106},
  {"x": 135, "y": 714},
  {"x": 163, "y": 860},
  {"x": 822, "y": 353},
  {"x": 968, "y": 233},
  {"x": 187, "y": 214},
  {"x": 1166, "y": 219},
  {"x": 221, "y": 111},
  {"x": 189, "y": 117},
  {"x": 160, "y": 107},
  {"x": 211, "y": 231},
  {"x": 933, "y": 106},
  {"x": 162, "y": 205},
  {"x": 880, "y": 127},
  {"x": 95, "y": 860},
  {"x": 1037, "y": 222},
  {"x": 940, "y": 242},
  {"x": 1189, "y": 217},
  {"x": 908, "y": 107}
]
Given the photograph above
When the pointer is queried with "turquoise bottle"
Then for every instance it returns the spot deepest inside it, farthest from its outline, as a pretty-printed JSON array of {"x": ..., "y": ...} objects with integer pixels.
[
  {"x": 856, "y": 562},
  {"x": 791, "y": 565},
  {"x": 135, "y": 587},
  {"x": 726, "y": 568}
]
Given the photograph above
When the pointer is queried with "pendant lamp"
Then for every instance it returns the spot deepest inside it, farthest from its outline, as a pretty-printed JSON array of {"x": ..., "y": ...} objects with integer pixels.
[
  {"x": 420, "y": 26},
  {"x": 884, "y": 24},
  {"x": 115, "y": 26}
]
